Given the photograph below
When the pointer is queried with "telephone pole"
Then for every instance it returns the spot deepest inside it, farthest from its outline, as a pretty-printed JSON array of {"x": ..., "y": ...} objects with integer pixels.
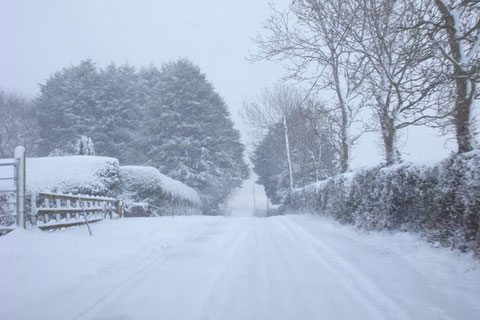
[{"x": 254, "y": 201}]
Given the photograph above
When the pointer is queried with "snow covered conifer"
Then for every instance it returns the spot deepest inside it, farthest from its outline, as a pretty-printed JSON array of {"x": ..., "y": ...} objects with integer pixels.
[
  {"x": 85, "y": 146},
  {"x": 102, "y": 104},
  {"x": 191, "y": 136},
  {"x": 121, "y": 113},
  {"x": 67, "y": 107}
]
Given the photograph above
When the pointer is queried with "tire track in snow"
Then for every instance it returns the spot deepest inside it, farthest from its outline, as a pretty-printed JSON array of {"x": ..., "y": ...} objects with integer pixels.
[
  {"x": 101, "y": 282},
  {"x": 232, "y": 237},
  {"x": 301, "y": 291},
  {"x": 363, "y": 288},
  {"x": 146, "y": 262},
  {"x": 244, "y": 290}
]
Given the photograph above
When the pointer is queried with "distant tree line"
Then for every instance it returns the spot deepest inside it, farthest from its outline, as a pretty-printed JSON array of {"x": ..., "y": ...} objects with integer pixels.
[
  {"x": 404, "y": 63},
  {"x": 168, "y": 117}
]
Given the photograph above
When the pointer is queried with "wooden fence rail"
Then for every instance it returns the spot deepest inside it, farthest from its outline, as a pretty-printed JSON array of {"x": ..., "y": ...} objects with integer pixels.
[
  {"x": 56, "y": 210},
  {"x": 47, "y": 210}
]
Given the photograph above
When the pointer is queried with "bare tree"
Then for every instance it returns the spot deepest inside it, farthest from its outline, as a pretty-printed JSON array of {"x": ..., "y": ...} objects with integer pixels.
[
  {"x": 270, "y": 107},
  {"x": 326, "y": 126},
  {"x": 311, "y": 36},
  {"x": 17, "y": 125},
  {"x": 400, "y": 82},
  {"x": 453, "y": 27}
]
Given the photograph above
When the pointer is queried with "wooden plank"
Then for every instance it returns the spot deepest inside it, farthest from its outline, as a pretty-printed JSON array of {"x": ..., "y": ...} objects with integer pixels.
[
  {"x": 74, "y": 197},
  {"x": 65, "y": 210},
  {"x": 67, "y": 224},
  {"x": 8, "y": 162}
]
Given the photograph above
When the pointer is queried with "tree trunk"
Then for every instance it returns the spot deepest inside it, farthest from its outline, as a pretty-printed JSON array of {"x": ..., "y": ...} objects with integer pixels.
[
  {"x": 463, "y": 113},
  {"x": 389, "y": 135},
  {"x": 391, "y": 154},
  {"x": 464, "y": 85},
  {"x": 344, "y": 136}
]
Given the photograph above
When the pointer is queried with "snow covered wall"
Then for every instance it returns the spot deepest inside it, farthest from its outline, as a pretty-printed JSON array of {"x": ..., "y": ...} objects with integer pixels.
[
  {"x": 442, "y": 202},
  {"x": 91, "y": 175},
  {"x": 141, "y": 184}
]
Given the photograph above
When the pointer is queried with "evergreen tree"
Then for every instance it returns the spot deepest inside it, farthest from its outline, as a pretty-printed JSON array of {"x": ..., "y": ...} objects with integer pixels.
[
  {"x": 120, "y": 113},
  {"x": 171, "y": 118},
  {"x": 67, "y": 107},
  {"x": 101, "y": 104},
  {"x": 85, "y": 146},
  {"x": 191, "y": 135},
  {"x": 148, "y": 84}
]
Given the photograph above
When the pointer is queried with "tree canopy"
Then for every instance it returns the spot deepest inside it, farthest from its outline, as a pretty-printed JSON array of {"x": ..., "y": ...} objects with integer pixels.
[{"x": 170, "y": 117}]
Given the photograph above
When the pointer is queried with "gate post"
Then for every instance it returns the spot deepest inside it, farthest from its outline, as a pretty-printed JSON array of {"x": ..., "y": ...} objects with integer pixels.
[{"x": 20, "y": 185}]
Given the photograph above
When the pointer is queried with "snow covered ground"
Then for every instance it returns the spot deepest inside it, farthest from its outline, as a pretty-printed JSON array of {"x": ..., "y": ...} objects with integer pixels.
[{"x": 288, "y": 267}]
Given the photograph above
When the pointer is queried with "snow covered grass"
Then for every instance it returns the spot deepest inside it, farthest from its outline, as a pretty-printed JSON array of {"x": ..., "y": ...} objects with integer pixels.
[{"x": 91, "y": 175}]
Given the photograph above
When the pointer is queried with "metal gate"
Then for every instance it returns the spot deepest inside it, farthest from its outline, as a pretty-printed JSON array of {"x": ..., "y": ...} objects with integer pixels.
[{"x": 12, "y": 192}]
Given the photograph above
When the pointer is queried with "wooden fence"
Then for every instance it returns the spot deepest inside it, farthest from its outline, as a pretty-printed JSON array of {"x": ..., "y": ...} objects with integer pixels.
[
  {"x": 46, "y": 210},
  {"x": 55, "y": 210}
]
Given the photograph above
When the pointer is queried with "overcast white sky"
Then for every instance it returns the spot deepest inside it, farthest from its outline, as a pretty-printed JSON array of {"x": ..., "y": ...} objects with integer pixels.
[{"x": 41, "y": 37}]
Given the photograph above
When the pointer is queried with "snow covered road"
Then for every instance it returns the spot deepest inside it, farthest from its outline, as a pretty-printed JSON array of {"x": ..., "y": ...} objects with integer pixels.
[{"x": 288, "y": 267}]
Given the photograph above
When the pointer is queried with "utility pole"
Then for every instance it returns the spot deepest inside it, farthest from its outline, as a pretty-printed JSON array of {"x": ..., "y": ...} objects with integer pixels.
[{"x": 254, "y": 201}]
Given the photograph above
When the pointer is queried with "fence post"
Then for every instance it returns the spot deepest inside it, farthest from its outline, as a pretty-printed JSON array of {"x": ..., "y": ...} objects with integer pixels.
[
  {"x": 33, "y": 208},
  {"x": 20, "y": 185},
  {"x": 118, "y": 206}
]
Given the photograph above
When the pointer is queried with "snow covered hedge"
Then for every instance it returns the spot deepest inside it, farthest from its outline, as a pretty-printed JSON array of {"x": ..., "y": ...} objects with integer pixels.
[
  {"x": 146, "y": 191},
  {"x": 99, "y": 176},
  {"x": 441, "y": 202}
]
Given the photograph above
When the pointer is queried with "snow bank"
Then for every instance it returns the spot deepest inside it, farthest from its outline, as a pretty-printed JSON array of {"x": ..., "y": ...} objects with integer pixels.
[
  {"x": 76, "y": 174},
  {"x": 140, "y": 179}
]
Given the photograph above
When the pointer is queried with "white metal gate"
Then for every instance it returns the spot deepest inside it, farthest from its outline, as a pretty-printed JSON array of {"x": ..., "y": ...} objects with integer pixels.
[{"x": 12, "y": 192}]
